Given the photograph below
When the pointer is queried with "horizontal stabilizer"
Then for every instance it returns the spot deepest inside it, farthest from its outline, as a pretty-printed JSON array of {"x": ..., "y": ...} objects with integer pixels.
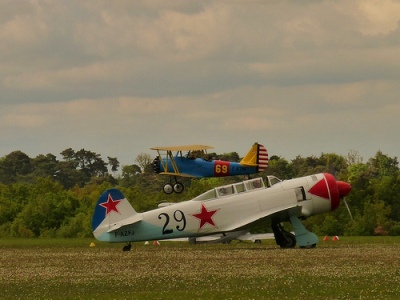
[{"x": 129, "y": 221}]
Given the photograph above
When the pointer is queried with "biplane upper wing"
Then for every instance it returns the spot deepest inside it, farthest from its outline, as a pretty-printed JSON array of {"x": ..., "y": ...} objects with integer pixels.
[{"x": 183, "y": 148}]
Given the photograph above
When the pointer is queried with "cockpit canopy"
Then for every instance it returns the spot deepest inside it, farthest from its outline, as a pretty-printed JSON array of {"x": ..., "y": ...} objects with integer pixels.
[
  {"x": 230, "y": 189},
  {"x": 271, "y": 180}
]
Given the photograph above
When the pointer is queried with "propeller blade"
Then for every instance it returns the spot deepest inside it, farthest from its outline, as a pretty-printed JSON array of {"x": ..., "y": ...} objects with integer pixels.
[{"x": 348, "y": 208}]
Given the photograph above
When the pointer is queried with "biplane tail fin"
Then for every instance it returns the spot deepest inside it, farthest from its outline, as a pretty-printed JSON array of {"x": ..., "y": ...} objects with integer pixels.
[
  {"x": 257, "y": 156},
  {"x": 112, "y": 209}
]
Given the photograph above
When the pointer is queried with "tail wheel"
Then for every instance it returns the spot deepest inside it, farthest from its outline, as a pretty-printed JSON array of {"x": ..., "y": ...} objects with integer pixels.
[
  {"x": 178, "y": 187},
  {"x": 168, "y": 188},
  {"x": 127, "y": 247}
]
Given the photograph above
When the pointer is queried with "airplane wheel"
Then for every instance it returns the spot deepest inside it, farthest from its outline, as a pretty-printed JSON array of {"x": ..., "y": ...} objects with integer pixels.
[
  {"x": 309, "y": 247},
  {"x": 127, "y": 247},
  {"x": 178, "y": 187},
  {"x": 168, "y": 189},
  {"x": 291, "y": 241}
]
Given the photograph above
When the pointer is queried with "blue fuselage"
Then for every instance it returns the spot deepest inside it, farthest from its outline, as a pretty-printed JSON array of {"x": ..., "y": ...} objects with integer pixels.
[{"x": 199, "y": 167}]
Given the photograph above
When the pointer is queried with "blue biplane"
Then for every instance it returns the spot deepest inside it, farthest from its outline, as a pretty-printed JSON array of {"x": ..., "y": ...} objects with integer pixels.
[{"x": 193, "y": 161}]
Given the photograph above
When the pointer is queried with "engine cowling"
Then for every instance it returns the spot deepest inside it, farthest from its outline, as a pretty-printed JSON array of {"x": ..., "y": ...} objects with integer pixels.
[{"x": 156, "y": 165}]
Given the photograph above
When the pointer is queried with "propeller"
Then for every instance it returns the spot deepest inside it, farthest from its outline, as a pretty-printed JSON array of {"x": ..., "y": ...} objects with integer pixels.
[
  {"x": 348, "y": 208},
  {"x": 344, "y": 189}
]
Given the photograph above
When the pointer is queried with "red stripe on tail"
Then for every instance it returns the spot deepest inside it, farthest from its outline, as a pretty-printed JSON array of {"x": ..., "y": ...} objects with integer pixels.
[{"x": 262, "y": 158}]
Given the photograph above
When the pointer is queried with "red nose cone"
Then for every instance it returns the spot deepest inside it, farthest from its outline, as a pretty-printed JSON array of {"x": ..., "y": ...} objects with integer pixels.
[{"x": 344, "y": 188}]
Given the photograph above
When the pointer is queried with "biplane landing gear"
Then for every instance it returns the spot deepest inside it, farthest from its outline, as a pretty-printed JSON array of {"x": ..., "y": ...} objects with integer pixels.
[
  {"x": 283, "y": 238},
  {"x": 177, "y": 187},
  {"x": 168, "y": 188},
  {"x": 127, "y": 247}
]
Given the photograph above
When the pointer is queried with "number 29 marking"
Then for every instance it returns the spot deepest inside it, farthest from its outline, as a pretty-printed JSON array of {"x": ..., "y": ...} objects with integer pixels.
[{"x": 179, "y": 217}]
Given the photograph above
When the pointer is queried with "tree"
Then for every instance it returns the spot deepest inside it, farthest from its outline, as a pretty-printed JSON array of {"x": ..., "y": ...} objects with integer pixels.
[
  {"x": 230, "y": 156},
  {"x": 44, "y": 165},
  {"x": 374, "y": 217},
  {"x": 14, "y": 166},
  {"x": 114, "y": 163},
  {"x": 68, "y": 154},
  {"x": 383, "y": 165},
  {"x": 279, "y": 167},
  {"x": 144, "y": 160},
  {"x": 354, "y": 157},
  {"x": 67, "y": 174},
  {"x": 90, "y": 164}
]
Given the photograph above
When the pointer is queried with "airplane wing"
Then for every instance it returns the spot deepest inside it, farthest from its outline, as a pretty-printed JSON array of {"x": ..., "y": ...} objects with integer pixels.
[
  {"x": 226, "y": 237},
  {"x": 183, "y": 148},
  {"x": 177, "y": 174},
  {"x": 281, "y": 210},
  {"x": 255, "y": 236}
]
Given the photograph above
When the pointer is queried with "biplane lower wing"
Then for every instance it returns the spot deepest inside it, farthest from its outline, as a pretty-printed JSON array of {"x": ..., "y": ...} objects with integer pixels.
[{"x": 177, "y": 174}]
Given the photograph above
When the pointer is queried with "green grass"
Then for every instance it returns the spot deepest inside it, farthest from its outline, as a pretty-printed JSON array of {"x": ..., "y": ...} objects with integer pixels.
[{"x": 351, "y": 268}]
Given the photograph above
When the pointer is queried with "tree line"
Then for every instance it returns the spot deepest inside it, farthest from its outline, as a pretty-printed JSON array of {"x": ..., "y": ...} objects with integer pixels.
[{"x": 46, "y": 197}]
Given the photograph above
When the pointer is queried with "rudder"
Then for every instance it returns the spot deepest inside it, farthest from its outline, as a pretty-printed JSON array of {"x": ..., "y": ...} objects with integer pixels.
[
  {"x": 111, "y": 208},
  {"x": 262, "y": 159},
  {"x": 257, "y": 156}
]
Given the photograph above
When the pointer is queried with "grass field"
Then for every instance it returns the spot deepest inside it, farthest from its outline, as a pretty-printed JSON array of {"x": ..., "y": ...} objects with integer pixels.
[{"x": 351, "y": 268}]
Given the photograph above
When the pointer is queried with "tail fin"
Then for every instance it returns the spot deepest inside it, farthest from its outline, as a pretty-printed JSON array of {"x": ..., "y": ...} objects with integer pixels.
[
  {"x": 111, "y": 208},
  {"x": 257, "y": 156}
]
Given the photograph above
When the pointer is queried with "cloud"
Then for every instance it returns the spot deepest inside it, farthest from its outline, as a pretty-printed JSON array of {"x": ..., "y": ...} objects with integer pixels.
[
  {"x": 124, "y": 76},
  {"x": 378, "y": 17}
]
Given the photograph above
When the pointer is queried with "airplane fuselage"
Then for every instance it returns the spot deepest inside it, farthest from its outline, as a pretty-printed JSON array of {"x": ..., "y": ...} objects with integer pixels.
[
  {"x": 223, "y": 209},
  {"x": 199, "y": 167}
]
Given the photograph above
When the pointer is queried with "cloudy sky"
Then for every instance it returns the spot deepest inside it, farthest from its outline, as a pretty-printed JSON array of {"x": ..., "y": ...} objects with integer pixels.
[{"x": 118, "y": 77}]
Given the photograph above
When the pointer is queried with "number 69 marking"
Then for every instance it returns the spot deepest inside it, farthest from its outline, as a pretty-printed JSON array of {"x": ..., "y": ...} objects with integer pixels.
[{"x": 221, "y": 168}]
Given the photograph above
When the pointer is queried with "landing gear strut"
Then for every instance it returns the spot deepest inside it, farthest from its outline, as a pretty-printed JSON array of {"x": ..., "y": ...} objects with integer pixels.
[{"x": 283, "y": 238}]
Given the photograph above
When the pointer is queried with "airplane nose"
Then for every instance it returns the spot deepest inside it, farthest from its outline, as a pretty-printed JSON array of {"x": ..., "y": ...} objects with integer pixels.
[
  {"x": 156, "y": 165},
  {"x": 344, "y": 188}
]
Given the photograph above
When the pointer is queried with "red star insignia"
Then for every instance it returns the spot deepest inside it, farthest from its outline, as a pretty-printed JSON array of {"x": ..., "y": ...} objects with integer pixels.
[
  {"x": 111, "y": 205},
  {"x": 205, "y": 216}
]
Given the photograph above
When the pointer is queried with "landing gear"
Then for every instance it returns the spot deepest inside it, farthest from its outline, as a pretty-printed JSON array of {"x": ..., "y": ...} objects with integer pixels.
[
  {"x": 168, "y": 189},
  {"x": 127, "y": 247},
  {"x": 283, "y": 238},
  {"x": 309, "y": 247},
  {"x": 304, "y": 238},
  {"x": 177, "y": 187}
]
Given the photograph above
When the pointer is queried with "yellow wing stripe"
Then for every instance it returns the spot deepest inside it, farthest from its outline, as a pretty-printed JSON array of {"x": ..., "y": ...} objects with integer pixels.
[
  {"x": 176, "y": 174},
  {"x": 183, "y": 148}
]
